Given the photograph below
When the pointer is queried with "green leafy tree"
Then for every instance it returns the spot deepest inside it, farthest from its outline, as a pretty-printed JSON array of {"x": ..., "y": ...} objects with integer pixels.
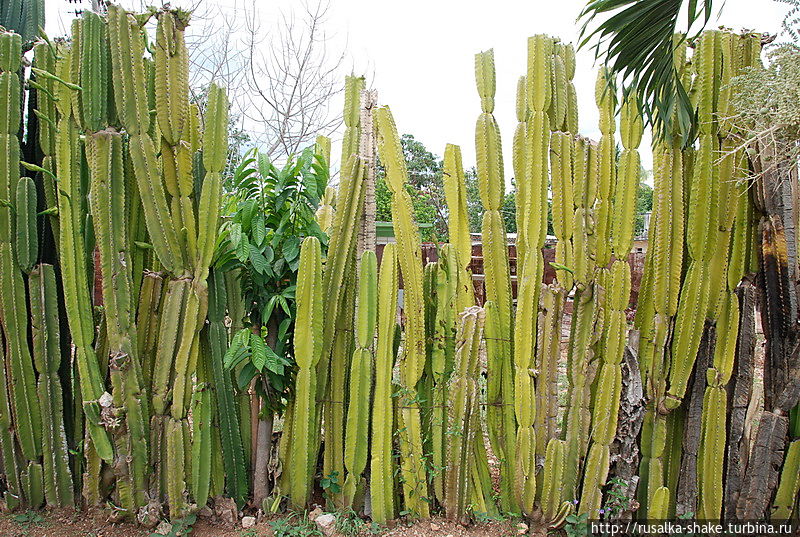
[
  {"x": 425, "y": 186},
  {"x": 644, "y": 201},
  {"x": 270, "y": 211}
]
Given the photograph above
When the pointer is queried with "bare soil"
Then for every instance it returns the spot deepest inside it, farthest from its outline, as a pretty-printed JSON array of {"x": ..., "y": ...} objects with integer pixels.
[{"x": 69, "y": 523}]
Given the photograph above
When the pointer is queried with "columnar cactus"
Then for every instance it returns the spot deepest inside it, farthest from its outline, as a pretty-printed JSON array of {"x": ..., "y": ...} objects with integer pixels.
[
  {"x": 58, "y": 487},
  {"x": 463, "y": 414},
  {"x": 458, "y": 224},
  {"x": 357, "y": 438},
  {"x": 496, "y": 268},
  {"x": 21, "y": 397},
  {"x": 381, "y": 471},
  {"x": 412, "y": 362},
  {"x": 308, "y": 348},
  {"x": 338, "y": 341},
  {"x": 233, "y": 456}
]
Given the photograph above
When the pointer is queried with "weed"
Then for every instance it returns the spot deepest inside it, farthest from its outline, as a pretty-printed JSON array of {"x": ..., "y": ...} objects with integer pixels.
[
  {"x": 295, "y": 525},
  {"x": 348, "y": 523},
  {"x": 28, "y": 518},
  {"x": 577, "y": 525},
  {"x": 180, "y": 528},
  {"x": 617, "y": 502}
]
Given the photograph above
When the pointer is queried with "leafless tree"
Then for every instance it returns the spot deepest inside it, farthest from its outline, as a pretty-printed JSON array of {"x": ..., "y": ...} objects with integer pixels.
[
  {"x": 291, "y": 77},
  {"x": 281, "y": 75}
]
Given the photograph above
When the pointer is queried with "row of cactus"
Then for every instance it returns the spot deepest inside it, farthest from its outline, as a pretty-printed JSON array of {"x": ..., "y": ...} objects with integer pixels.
[
  {"x": 108, "y": 189},
  {"x": 125, "y": 171}
]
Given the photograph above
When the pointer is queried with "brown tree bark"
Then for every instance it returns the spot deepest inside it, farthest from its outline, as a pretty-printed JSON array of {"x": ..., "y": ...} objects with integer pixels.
[
  {"x": 740, "y": 392},
  {"x": 686, "y": 504},
  {"x": 263, "y": 442}
]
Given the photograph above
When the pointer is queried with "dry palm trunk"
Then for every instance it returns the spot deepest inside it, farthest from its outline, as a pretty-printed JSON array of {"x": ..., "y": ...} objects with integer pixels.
[{"x": 774, "y": 197}]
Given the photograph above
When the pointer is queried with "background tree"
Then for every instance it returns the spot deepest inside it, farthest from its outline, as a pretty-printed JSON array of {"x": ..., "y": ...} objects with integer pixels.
[{"x": 425, "y": 186}]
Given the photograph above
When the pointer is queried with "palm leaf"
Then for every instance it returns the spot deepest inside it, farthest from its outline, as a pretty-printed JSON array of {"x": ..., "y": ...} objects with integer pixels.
[{"x": 635, "y": 39}]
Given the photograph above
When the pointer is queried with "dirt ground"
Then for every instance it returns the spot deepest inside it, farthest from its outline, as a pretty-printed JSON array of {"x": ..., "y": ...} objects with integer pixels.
[{"x": 74, "y": 524}]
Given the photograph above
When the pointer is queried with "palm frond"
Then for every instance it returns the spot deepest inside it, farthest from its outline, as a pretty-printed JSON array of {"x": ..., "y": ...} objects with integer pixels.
[{"x": 635, "y": 40}]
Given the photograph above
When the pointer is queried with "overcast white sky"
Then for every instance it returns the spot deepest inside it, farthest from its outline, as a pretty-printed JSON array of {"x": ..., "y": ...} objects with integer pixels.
[{"x": 419, "y": 54}]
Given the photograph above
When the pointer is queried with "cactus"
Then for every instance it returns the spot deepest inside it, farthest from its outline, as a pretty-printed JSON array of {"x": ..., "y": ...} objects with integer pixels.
[
  {"x": 47, "y": 356},
  {"x": 233, "y": 456},
  {"x": 381, "y": 473},
  {"x": 496, "y": 268},
  {"x": 547, "y": 358},
  {"x": 27, "y": 239},
  {"x": 308, "y": 346},
  {"x": 357, "y": 439},
  {"x": 786, "y": 496},
  {"x": 553, "y": 511},
  {"x": 412, "y": 362},
  {"x": 463, "y": 405}
]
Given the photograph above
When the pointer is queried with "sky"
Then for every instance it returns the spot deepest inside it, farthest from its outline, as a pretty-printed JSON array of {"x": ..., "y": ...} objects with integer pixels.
[{"x": 419, "y": 55}]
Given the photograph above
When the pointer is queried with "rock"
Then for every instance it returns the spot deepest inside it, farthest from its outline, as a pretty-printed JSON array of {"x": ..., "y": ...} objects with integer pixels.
[
  {"x": 435, "y": 526},
  {"x": 312, "y": 516},
  {"x": 164, "y": 528},
  {"x": 225, "y": 510},
  {"x": 522, "y": 528},
  {"x": 326, "y": 524},
  {"x": 205, "y": 512},
  {"x": 248, "y": 521}
]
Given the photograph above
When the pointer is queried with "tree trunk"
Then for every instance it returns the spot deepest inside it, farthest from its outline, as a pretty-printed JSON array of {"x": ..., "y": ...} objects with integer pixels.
[
  {"x": 740, "y": 393},
  {"x": 625, "y": 449},
  {"x": 687, "y": 483},
  {"x": 263, "y": 442}
]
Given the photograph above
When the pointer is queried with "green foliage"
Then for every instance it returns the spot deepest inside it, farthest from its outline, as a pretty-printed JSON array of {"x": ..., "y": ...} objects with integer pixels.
[
  {"x": 295, "y": 525},
  {"x": 577, "y": 525},
  {"x": 766, "y": 100},
  {"x": 348, "y": 523},
  {"x": 180, "y": 527},
  {"x": 635, "y": 40},
  {"x": 270, "y": 211},
  {"x": 330, "y": 483}
]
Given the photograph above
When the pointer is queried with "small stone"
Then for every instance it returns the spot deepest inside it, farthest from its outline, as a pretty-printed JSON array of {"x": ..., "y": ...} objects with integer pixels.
[
  {"x": 225, "y": 510},
  {"x": 248, "y": 521},
  {"x": 326, "y": 524},
  {"x": 312, "y": 516},
  {"x": 105, "y": 400},
  {"x": 164, "y": 528},
  {"x": 435, "y": 526},
  {"x": 205, "y": 512},
  {"x": 522, "y": 528}
]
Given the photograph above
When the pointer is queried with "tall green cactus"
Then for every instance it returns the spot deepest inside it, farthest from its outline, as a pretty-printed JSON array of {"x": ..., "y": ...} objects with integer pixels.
[
  {"x": 381, "y": 471},
  {"x": 58, "y": 486},
  {"x": 233, "y": 456},
  {"x": 108, "y": 205},
  {"x": 496, "y": 269},
  {"x": 462, "y": 414},
  {"x": 308, "y": 348},
  {"x": 357, "y": 438},
  {"x": 23, "y": 401},
  {"x": 412, "y": 362}
]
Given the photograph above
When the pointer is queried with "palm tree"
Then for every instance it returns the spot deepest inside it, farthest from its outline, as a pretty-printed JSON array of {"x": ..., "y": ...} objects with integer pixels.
[{"x": 635, "y": 39}]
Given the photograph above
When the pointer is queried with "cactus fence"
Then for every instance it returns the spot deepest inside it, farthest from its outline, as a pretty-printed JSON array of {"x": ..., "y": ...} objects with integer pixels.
[{"x": 119, "y": 397}]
